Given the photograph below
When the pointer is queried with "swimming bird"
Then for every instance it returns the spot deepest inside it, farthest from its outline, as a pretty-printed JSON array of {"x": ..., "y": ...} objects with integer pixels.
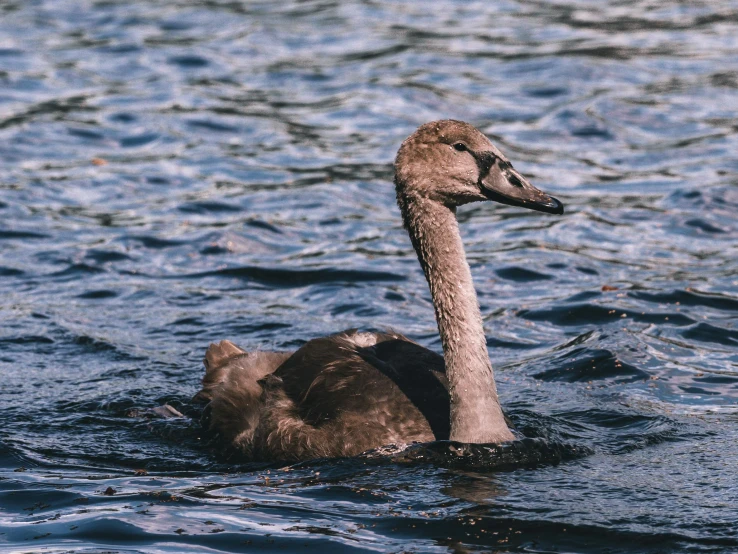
[{"x": 350, "y": 392}]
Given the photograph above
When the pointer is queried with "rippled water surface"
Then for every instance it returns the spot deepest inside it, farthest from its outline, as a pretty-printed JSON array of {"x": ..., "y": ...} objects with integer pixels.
[{"x": 174, "y": 173}]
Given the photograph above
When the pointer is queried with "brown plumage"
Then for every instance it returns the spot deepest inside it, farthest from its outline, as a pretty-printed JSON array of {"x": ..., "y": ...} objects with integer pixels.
[{"x": 350, "y": 392}]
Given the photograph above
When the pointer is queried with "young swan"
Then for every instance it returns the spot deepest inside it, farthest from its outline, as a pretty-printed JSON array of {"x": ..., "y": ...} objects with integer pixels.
[{"x": 350, "y": 392}]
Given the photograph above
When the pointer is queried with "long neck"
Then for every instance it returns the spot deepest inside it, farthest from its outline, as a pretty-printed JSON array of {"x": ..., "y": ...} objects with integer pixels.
[{"x": 476, "y": 416}]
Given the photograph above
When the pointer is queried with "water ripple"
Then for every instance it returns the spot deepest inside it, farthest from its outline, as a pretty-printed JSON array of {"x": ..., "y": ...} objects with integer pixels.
[{"x": 176, "y": 173}]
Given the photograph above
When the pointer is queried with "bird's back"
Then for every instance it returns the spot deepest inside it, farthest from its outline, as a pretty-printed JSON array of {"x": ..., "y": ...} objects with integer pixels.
[{"x": 336, "y": 396}]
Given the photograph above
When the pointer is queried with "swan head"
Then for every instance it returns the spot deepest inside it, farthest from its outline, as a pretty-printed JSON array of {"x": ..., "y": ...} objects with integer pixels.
[{"x": 453, "y": 163}]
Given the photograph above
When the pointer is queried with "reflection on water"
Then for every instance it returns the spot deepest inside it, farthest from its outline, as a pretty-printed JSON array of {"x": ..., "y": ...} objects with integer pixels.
[{"x": 174, "y": 173}]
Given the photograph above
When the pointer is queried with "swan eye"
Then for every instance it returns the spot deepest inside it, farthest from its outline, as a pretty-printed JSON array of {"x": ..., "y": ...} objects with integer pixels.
[{"x": 460, "y": 147}]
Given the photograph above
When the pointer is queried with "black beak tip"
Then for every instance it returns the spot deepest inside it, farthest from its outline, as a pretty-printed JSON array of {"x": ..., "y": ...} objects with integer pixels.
[{"x": 555, "y": 206}]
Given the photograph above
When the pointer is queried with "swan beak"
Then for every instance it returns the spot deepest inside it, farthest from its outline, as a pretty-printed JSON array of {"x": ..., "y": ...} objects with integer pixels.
[{"x": 505, "y": 185}]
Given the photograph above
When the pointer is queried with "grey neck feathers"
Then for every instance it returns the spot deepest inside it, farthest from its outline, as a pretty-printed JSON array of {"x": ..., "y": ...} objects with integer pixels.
[{"x": 476, "y": 416}]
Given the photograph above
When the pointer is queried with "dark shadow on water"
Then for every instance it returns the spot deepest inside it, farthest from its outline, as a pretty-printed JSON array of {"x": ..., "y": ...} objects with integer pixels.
[{"x": 522, "y": 453}]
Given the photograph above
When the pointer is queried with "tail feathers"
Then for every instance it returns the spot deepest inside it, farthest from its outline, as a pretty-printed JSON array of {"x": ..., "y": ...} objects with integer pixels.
[
  {"x": 219, "y": 353},
  {"x": 216, "y": 367}
]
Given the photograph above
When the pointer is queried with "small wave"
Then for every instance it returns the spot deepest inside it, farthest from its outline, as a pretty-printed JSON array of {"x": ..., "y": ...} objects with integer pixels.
[
  {"x": 102, "y": 256},
  {"x": 157, "y": 243},
  {"x": 190, "y": 61},
  {"x": 258, "y": 224},
  {"x": 208, "y": 207},
  {"x": 138, "y": 140},
  {"x": 689, "y": 297},
  {"x": 97, "y": 294},
  {"x": 704, "y": 332},
  {"x": 8, "y": 234},
  {"x": 211, "y": 125},
  {"x": 592, "y": 314},
  {"x": 299, "y": 277},
  {"x": 75, "y": 270},
  {"x": 521, "y": 274},
  {"x": 583, "y": 364},
  {"x": 26, "y": 339},
  {"x": 10, "y": 272}
]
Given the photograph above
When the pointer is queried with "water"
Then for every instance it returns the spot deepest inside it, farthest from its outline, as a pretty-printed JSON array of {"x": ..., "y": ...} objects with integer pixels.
[{"x": 173, "y": 173}]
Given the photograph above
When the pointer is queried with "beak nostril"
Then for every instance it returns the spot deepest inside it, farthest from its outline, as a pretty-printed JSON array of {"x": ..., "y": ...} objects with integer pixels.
[{"x": 514, "y": 180}]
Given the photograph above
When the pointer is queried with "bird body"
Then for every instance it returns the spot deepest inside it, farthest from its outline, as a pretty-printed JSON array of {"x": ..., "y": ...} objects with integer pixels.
[
  {"x": 353, "y": 391},
  {"x": 336, "y": 396}
]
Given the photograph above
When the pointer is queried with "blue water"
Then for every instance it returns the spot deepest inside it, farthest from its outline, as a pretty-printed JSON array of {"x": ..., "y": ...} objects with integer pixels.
[{"x": 174, "y": 173}]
